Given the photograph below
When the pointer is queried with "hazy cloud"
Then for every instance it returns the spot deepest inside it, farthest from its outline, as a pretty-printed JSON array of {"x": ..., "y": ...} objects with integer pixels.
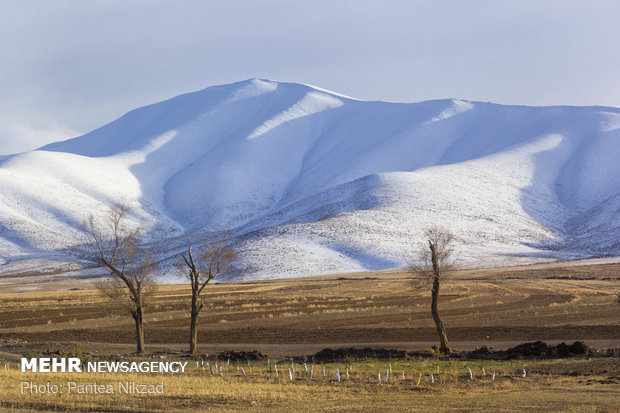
[{"x": 67, "y": 67}]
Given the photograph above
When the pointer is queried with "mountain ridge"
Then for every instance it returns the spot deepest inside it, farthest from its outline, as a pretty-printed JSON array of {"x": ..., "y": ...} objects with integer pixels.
[{"x": 308, "y": 171}]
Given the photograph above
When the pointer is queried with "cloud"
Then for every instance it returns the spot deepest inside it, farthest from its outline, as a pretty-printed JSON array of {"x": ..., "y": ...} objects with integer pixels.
[
  {"x": 23, "y": 136},
  {"x": 82, "y": 64}
]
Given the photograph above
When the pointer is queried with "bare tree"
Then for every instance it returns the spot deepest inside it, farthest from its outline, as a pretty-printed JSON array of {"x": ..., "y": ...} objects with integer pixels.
[
  {"x": 114, "y": 244},
  {"x": 214, "y": 259},
  {"x": 435, "y": 260}
]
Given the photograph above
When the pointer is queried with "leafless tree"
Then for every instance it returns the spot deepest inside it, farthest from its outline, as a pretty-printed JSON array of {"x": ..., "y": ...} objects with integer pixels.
[
  {"x": 434, "y": 262},
  {"x": 114, "y": 244},
  {"x": 214, "y": 259}
]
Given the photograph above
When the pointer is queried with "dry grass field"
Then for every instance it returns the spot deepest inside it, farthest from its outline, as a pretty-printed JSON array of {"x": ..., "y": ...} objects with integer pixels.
[
  {"x": 549, "y": 386},
  {"x": 494, "y": 307}
]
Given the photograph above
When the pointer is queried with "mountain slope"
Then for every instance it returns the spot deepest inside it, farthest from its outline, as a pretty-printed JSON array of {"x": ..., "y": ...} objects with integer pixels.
[{"x": 311, "y": 181}]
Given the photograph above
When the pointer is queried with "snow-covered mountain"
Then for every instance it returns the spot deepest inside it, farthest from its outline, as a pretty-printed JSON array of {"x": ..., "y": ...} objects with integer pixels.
[{"x": 311, "y": 181}]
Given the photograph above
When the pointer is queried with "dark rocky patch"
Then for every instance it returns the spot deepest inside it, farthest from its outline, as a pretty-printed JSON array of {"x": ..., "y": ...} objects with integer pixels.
[
  {"x": 241, "y": 355},
  {"x": 329, "y": 355},
  {"x": 531, "y": 350},
  {"x": 536, "y": 349}
]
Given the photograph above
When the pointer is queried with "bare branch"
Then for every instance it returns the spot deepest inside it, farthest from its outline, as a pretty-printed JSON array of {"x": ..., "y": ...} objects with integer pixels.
[
  {"x": 434, "y": 261},
  {"x": 214, "y": 259},
  {"x": 115, "y": 246},
  {"x": 441, "y": 239}
]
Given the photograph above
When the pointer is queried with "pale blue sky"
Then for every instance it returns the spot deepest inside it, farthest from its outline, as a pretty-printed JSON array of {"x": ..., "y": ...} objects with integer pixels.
[{"x": 67, "y": 67}]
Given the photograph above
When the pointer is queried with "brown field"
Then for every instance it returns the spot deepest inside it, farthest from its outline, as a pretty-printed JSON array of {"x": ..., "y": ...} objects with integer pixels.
[{"x": 494, "y": 307}]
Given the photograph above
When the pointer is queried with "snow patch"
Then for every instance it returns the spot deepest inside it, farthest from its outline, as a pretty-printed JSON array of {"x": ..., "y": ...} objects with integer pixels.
[
  {"x": 310, "y": 104},
  {"x": 310, "y": 181}
]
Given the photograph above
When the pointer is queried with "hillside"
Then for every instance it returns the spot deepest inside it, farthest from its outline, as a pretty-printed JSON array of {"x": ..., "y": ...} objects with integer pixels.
[{"x": 312, "y": 182}]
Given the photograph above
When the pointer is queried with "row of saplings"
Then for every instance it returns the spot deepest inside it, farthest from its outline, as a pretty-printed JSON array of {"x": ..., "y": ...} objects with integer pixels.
[{"x": 114, "y": 244}]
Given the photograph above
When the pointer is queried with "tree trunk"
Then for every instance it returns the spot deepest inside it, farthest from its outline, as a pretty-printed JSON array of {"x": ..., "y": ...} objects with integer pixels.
[
  {"x": 193, "y": 330},
  {"x": 443, "y": 338},
  {"x": 139, "y": 331}
]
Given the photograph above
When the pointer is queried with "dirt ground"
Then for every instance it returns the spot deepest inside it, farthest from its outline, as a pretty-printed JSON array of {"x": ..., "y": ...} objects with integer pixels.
[
  {"x": 494, "y": 307},
  {"x": 497, "y": 308}
]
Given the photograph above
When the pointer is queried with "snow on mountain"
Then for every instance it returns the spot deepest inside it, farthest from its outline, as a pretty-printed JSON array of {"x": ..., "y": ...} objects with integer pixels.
[{"x": 310, "y": 181}]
